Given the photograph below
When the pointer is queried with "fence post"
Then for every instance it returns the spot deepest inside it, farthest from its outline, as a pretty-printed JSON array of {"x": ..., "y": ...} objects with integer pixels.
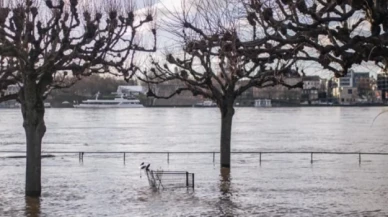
[
  {"x": 260, "y": 158},
  {"x": 187, "y": 179},
  {"x": 168, "y": 157},
  {"x": 214, "y": 156},
  {"x": 193, "y": 180},
  {"x": 359, "y": 158},
  {"x": 311, "y": 157},
  {"x": 124, "y": 157}
]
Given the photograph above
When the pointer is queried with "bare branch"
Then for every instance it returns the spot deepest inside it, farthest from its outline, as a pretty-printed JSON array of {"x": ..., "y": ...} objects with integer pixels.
[
  {"x": 39, "y": 39},
  {"x": 222, "y": 55}
]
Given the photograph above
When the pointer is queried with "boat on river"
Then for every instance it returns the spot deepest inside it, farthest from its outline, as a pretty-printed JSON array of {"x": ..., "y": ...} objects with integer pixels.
[{"x": 119, "y": 102}]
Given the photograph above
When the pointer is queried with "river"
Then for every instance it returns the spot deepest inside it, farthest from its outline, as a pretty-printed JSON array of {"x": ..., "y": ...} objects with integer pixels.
[{"x": 282, "y": 185}]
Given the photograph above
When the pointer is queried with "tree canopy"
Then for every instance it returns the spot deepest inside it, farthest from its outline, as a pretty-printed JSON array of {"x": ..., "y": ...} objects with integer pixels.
[
  {"x": 221, "y": 54},
  {"x": 336, "y": 34},
  {"x": 51, "y": 40},
  {"x": 42, "y": 43}
]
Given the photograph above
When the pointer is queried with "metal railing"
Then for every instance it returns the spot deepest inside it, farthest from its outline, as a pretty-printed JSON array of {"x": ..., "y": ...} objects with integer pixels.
[
  {"x": 170, "y": 179},
  {"x": 213, "y": 153}
]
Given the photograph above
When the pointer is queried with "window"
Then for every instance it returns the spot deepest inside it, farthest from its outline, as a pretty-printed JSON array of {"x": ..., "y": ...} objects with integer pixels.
[{"x": 350, "y": 91}]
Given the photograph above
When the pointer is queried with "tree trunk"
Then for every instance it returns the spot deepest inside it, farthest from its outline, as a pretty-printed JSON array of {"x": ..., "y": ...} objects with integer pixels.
[
  {"x": 227, "y": 112},
  {"x": 34, "y": 126}
]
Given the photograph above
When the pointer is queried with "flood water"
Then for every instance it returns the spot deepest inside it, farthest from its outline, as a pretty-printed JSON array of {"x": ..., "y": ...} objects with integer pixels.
[{"x": 282, "y": 185}]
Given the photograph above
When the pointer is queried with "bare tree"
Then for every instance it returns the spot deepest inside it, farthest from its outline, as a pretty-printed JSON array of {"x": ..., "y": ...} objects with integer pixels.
[
  {"x": 42, "y": 43},
  {"x": 336, "y": 34},
  {"x": 223, "y": 53}
]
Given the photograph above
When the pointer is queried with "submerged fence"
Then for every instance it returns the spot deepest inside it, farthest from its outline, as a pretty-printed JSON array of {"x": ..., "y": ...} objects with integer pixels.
[{"x": 260, "y": 153}]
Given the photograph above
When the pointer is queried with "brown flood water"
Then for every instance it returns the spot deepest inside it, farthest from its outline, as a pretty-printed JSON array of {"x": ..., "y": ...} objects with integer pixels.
[{"x": 282, "y": 185}]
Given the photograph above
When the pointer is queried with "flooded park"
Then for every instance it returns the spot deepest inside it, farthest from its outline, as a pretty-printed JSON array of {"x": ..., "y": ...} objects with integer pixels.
[{"x": 281, "y": 184}]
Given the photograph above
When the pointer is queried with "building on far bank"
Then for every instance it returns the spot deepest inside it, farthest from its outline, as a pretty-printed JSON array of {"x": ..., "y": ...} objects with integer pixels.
[
  {"x": 11, "y": 89},
  {"x": 345, "y": 95},
  {"x": 382, "y": 85},
  {"x": 279, "y": 94},
  {"x": 130, "y": 90},
  {"x": 311, "y": 88},
  {"x": 311, "y": 82},
  {"x": 353, "y": 88}
]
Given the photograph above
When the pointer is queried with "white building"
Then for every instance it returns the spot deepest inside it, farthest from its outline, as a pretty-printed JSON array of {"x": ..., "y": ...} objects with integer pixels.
[
  {"x": 130, "y": 90},
  {"x": 12, "y": 89},
  {"x": 311, "y": 82},
  {"x": 311, "y": 87}
]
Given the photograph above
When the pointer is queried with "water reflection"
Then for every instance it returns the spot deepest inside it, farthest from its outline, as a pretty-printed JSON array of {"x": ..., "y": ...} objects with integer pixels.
[
  {"x": 225, "y": 204},
  {"x": 32, "y": 207},
  {"x": 225, "y": 181}
]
